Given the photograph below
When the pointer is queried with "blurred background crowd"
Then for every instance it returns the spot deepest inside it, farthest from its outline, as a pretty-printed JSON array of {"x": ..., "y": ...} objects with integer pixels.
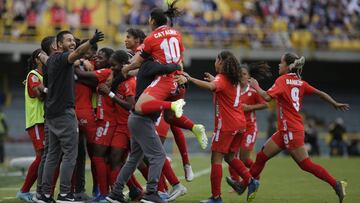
[{"x": 308, "y": 24}]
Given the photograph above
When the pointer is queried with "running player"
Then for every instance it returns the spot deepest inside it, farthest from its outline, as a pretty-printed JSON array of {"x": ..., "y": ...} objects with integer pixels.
[
  {"x": 230, "y": 123},
  {"x": 251, "y": 101},
  {"x": 289, "y": 90},
  {"x": 34, "y": 117}
]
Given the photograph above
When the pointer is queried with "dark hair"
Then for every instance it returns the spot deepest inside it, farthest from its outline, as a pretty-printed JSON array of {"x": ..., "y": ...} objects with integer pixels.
[
  {"x": 107, "y": 51},
  {"x": 161, "y": 16},
  {"x": 258, "y": 70},
  {"x": 46, "y": 44},
  {"x": 137, "y": 34},
  {"x": 295, "y": 63},
  {"x": 31, "y": 63},
  {"x": 231, "y": 67},
  {"x": 60, "y": 35},
  {"x": 94, "y": 47},
  {"x": 121, "y": 57}
]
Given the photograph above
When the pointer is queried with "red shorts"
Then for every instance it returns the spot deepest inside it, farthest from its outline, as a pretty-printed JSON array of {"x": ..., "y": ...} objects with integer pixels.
[
  {"x": 162, "y": 88},
  {"x": 121, "y": 138},
  {"x": 37, "y": 136},
  {"x": 87, "y": 123},
  {"x": 226, "y": 141},
  {"x": 248, "y": 140},
  {"x": 105, "y": 132},
  {"x": 289, "y": 140},
  {"x": 162, "y": 127},
  {"x": 179, "y": 95}
]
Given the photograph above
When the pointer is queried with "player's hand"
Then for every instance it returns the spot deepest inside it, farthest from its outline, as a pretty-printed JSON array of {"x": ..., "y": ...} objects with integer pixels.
[
  {"x": 98, "y": 36},
  {"x": 125, "y": 71},
  {"x": 253, "y": 83},
  {"x": 209, "y": 77},
  {"x": 180, "y": 79},
  {"x": 88, "y": 66},
  {"x": 246, "y": 107},
  {"x": 341, "y": 106},
  {"x": 103, "y": 89}
]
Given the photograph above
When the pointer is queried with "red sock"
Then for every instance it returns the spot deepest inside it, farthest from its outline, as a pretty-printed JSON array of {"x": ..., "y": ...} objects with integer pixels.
[
  {"x": 101, "y": 174},
  {"x": 318, "y": 171},
  {"x": 215, "y": 177},
  {"x": 113, "y": 175},
  {"x": 248, "y": 163},
  {"x": 54, "y": 180},
  {"x": 169, "y": 173},
  {"x": 259, "y": 164},
  {"x": 182, "y": 122},
  {"x": 181, "y": 143},
  {"x": 31, "y": 174},
  {"x": 233, "y": 174},
  {"x": 144, "y": 171},
  {"x": 154, "y": 106},
  {"x": 241, "y": 170},
  {"x": 162, "y": 183}
]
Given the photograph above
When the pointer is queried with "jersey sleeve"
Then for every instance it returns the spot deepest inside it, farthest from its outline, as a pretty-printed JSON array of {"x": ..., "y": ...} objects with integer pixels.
[
  {"x": 276, "y": 89},
  {"x": 102, "y": 74},
  {"x": 219, "y": 83},
  {"x": 146, "y": 50},
  {"x": 259, "y": 99},
  {"x": 308, "y": 88},
  {"x": 129, "y": 89},
  {"x": 33, "y": 81}
]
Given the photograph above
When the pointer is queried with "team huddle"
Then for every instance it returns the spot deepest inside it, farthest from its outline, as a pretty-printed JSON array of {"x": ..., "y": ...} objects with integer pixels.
[{"x": 119, "y": 106}]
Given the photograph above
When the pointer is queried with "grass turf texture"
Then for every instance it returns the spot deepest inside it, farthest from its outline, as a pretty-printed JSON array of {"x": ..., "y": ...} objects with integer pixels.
[{"x": 281, "y": 181}]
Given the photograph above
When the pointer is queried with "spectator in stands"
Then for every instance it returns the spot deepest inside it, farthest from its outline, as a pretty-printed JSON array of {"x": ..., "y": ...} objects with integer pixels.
[
  {"x": 311, "y": 137},
  {"x": 31, "y": 19},
  {"x": 19, "y": 10},
  {"x": 73, "y": 19},
  {"x": 337, "y": 143},
  {"x": 86, "y": 16},
  {"x": 3, "y": 134},
  {"x": 58, "y": 15}
]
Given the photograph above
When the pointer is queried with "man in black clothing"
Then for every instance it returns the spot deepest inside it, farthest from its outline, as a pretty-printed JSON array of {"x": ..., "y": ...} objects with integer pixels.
[{"x": 60, "y": 114}]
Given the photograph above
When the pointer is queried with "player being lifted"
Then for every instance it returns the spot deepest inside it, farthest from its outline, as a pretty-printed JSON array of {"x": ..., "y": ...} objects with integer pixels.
[{"x": 289, "y": 90}]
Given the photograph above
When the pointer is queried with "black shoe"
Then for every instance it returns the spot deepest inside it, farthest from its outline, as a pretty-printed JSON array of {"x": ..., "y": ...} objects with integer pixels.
[
  {"x": 340, "y": 190},
  {"x": 152, "y": 198},
  {"x": 44, "y": 199},
  {"x": 235, "y": 185},
  {"x": 116, "y": 198},
  {"x": 135, "y": 194},
  {"x": 68, "y": 198}
]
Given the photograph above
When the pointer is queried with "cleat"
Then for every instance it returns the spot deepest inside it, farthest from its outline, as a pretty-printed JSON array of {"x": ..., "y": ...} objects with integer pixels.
[
  {"x": 177, "y": 107},
  {"x": 189, "y": 174},
  {"x": 238, "y": 188},
  {"x": 212, "y": 200},
  {"x": 135, "y": 194},
  {"x": 340, "y": 190},
  {"x": 199, "y": 132},
  {"x": 24, "y": 196},
  {"x": 44, "y": 199},
  {"x": 252, "y": 189},
  {"x": 177, "y": 191},
  {"x": 151, "y": 198},
  {"x": 112, "y": 198},
  {"x": 164, "y": 195},
  {"x": 68, "y": 198},
  {"x": 99, "y": 198}
]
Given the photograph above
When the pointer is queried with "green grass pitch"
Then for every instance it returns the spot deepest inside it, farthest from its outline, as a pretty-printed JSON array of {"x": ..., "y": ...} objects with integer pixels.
[{"x": 281, "y": 182}]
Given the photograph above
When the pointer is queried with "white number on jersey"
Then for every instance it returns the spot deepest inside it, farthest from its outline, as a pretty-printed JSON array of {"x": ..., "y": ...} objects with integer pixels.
[
  {"x": 171, "y": 49},
  {"x": 238, "y": 94},
  {"x": 295, "y": 97}
]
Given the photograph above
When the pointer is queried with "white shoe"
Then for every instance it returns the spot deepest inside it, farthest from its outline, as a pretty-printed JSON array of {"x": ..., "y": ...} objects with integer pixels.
[
  {"x": 189, "y": 174},
  {"x": 177, "y": 191},
  {"x": 177, "y": 107}
]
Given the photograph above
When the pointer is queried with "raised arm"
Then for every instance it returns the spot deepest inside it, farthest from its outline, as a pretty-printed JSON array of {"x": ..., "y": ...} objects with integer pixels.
[
  {"x": 324, "y": 96},
  {"x": 82, "y": 49},
  {"x": 260, "y": 91}
]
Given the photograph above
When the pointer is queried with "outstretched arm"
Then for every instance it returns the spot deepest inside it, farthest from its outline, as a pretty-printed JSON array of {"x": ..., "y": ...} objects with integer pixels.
[
  {"x": 254, "y": 107},
  {"x": 324, "y": 96},
  {"x": 201, "y": 83},
  {"x": 260, "y": 91}
]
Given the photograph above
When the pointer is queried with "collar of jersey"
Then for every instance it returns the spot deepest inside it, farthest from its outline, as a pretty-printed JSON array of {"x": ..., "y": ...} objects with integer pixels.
[{"x": 161, "y": 27}]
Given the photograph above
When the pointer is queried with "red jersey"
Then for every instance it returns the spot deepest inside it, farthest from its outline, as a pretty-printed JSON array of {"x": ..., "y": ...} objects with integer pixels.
[
  {"x": 83, "y": 96},
  {"x": 125, "y": 89},
  {"x": 33, "y": 81},
  {"x": 289, "y": 91},
  {"x": 229, "y": 115},
  {"x": 250, "y": 97},
  {"x": 165, "y": 45},
  {"x": 105, "y": 106}
]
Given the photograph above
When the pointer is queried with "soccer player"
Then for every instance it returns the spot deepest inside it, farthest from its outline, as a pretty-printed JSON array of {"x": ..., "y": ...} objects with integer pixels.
[
  {"x": 34, "y": 117},
  {"x": 251, "y": 101},
  {"x": 230, "y": 123},
  {"x": 60, "y": 113},
  {"x": 289, "y": 90}
]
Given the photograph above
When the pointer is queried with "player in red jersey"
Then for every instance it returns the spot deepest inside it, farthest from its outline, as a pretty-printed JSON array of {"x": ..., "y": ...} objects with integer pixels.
[
  {"x": 230, "y": 123},
  {"x": 34, "y": 96},
  {"x": 251, "y": 101},
  {"x": 289, "y": 90}
]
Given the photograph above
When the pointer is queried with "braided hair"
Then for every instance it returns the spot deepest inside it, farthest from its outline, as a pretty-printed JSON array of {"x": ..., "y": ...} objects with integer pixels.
[
  {"x": 295, "y": 63},
  {"x": 231, "y": 67}
]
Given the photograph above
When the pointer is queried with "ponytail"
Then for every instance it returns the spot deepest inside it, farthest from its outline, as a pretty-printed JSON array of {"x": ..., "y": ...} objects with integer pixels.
[
  {"x": 161, "y": 17},
  {"x": 172, "y": 11},
  {"x": 258, "y": 70}
]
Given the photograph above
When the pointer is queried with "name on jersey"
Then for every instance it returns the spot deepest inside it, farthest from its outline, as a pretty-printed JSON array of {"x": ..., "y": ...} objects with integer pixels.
[
  {"x": 165, "y": 33},
  {"x": 294, "y": 82}
]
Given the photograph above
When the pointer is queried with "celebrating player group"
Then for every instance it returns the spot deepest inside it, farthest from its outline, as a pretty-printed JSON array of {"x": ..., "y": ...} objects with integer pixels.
[{"x": 119, "y": 106}]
